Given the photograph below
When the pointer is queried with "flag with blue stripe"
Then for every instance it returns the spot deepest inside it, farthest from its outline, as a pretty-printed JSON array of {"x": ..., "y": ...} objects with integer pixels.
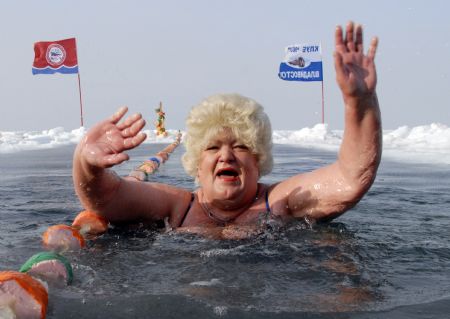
[
  {"x": 303, "y": 62},
  {"x": 55, "y": 57}
]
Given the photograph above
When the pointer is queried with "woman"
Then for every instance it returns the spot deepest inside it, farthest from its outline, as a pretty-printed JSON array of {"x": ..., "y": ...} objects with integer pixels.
[{"x": 228, "y": 148}]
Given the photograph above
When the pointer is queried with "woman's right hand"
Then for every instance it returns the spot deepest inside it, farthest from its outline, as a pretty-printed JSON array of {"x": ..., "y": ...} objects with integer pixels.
[{"x": 105, "y": 143}]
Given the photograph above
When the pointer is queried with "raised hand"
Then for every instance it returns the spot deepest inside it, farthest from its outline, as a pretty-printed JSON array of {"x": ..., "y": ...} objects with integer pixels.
[
  {"x": 104, "y": 144},
  {"x": 355, "y": 71}
]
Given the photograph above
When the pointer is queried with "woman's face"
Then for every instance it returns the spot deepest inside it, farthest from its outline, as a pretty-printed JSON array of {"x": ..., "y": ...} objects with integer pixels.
[{"x": 228, "y": 171}]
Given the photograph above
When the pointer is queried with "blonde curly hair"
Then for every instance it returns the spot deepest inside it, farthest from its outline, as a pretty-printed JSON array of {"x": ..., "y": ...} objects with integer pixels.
[{"x": 243, "y": 116}]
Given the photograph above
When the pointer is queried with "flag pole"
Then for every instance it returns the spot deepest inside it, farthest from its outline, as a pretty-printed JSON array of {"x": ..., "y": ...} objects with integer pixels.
[
  {"x": 323, "y": 106},
  {"x": 79, "y": 87},
  {"x": 81, "y": 103},
  {"x": 323, "y": 100}
]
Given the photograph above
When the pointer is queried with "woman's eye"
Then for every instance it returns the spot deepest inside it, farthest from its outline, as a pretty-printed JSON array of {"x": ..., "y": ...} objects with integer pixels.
[
  {"x": 241, "y": 147},
  {"x": 212, "y": 147}
]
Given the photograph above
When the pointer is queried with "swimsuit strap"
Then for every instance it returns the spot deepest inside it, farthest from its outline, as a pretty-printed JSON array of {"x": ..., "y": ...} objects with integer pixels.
[
  {"x": 188, "y": 208},
  {"x": 267, "y": 202}
]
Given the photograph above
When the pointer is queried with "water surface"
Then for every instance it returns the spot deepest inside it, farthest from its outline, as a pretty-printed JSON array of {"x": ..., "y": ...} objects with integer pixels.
[{"x": 387, "y": 257}]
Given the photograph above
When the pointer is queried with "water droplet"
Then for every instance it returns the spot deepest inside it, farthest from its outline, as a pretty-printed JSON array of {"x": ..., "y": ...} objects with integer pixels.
[{"x": 220, "y": 310}]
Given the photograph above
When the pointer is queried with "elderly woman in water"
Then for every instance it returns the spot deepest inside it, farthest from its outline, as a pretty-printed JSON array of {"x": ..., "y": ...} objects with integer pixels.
[{"x": 228, "y": 148}]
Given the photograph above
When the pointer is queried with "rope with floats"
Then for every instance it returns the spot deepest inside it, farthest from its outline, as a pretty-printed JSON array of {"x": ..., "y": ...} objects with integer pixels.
[
  {"x": 30, "y": 284},
  {"x": 149, "y": 166}
]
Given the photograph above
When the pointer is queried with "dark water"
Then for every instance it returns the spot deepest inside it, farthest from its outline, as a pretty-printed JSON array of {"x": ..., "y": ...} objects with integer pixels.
[{"x": 389, "y": 257}]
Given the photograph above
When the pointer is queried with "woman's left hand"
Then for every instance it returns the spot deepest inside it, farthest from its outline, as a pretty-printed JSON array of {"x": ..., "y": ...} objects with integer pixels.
[{"x": 355, "y": 71}]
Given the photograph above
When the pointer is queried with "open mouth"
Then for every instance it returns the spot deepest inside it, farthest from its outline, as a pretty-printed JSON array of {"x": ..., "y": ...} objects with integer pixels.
[{"x": 227, "y": 173}]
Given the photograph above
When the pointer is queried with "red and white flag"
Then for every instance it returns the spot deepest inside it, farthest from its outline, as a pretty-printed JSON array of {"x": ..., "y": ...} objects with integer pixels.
[{"x": 55, "y": 57}]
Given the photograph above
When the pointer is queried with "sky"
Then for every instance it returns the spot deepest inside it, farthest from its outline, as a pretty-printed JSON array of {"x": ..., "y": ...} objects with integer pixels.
[{"x": 138, "y": 53}]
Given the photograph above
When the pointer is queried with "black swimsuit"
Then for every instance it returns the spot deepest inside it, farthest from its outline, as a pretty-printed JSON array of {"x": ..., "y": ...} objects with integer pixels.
[
  {"x": 187, "y": 210},
  {"x": 268, "y": 212}
]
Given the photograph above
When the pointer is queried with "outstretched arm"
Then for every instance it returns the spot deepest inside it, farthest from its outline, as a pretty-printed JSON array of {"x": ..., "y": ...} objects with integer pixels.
[
  {"x": 102, "y": 191},
  {"x": 329, "y": 191},
  {"x": 360, "y": 152},
  {"x": 102, "y": 147}
]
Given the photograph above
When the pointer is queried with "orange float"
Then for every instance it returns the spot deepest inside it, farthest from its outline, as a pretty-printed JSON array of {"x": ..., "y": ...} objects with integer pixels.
[
  {"x": 90, "y": 224},
  {"x": 22, "y": 296},
  {"x": 62, "y": 238}
]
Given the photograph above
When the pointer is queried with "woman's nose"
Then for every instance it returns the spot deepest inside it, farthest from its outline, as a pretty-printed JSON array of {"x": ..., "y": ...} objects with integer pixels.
[{"x": 226, "y": 154}]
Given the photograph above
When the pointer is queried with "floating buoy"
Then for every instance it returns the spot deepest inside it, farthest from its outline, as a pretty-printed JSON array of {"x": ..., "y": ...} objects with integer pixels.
[
  {"x": 22, "y": 296},
  {"x": 90, "y": 224},
  {"x": 62, "y": 238},
  {"x": 49, "y": 267}
]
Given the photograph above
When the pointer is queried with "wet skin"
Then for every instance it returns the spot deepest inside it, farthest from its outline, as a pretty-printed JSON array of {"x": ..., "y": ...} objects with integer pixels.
[{"x": 228, "y": 171}]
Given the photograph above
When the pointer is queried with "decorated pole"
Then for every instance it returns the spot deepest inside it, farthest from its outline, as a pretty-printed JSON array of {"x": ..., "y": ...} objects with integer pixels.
[{"x": 160, "y": 128}]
